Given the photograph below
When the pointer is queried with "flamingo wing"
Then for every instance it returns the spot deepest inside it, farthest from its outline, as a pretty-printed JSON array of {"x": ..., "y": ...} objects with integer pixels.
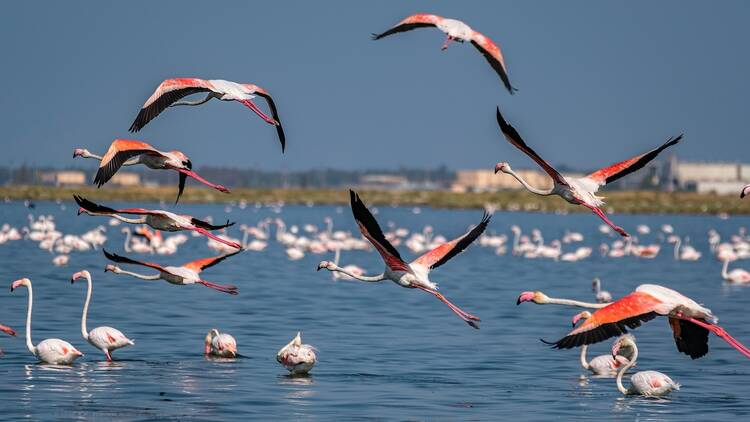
[
  {"x": 446, "y": 251},
  {"x": 101, "y": 209},
  {"x": 125, "y": 260},
  {"x": 514, "y": 138},
  {"x": 616, "y": 171},
  {"x": 690, "y": 338},
  {"x": 612, "y": 320},
  {"x": 494, "y": 57},
  {"x": 370, "y": 229},
  {"x": 208, "y": 226},
  {"x": 201, "y": 264},
  {"x": 7, "y": 330},
  {"x": 274, "y": 114},
  {"x": 120, "y": 151},
  {"x": 420, "y": 20},
  {"x": 168, "y": 92}
]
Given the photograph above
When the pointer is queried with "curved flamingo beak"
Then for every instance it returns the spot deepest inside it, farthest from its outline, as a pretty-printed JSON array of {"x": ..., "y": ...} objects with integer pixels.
[
  {"x": 615, "y": 350},
  {"x": 16, "y": 284},
  {"x": 7, "y": 330},
  {"x": 76, "y": 276},
  {"x": 498, "y": 167},
  {"x": 745, "y": 191},
  {"x": 109, "y": 267},
  {"x": 525, "y": 297},
  {"x": 78, "y": 152},
  {"x": 576, "y": 319}
]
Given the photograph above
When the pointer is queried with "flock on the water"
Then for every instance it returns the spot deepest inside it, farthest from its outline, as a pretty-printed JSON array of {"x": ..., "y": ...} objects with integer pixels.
[{"x": 606, "y": 318}]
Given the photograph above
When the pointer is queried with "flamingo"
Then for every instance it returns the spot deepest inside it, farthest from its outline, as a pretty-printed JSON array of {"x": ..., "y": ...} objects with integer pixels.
[
  {"x": 296, "y": 357},
  {"x": 170, "y": 91},
  {"x": 183, "y": 275},
  {"x": 349, "y": 268},
  {"x": 643, "y": 383},
  {"x": 156, "y": 219},
  {"x": 220, "y": 345},
  {"x": 603, "y": 365},
  {"x": 602, "y": 296},
  {"x": 458, "y": 31},
  {"x": 122, "y": 150},
  {"x": 690, "y": 322},
  {"x": 52, "y": 350},
  {"x": 7, "y": 330},
  {"x": 415, "y": 274},
  {"x": 745, "y": 191},
  {"x": 577, "y": 191},
  {"x": 106, "y": 339},
  {"x": 737, "y": 275}
]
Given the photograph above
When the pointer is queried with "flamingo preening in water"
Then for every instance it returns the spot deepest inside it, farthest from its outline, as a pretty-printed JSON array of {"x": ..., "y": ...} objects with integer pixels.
[
  {"x": 603, "y": 365},
  {"x": 690, "y": 322},
  {"x": 170, "y": 91},
  {"x": 577, "y": 191},
  {"x": 156, "y": 219},
  {"x": 52, "y": 350},
  {"x": 220, "y": 345},
  {"x": 183, "y": 275},
  {"x": 458, "y": 31},
  {"x": 643, "y": 383},
  {"x": 106, "y": 339},
  {"x": 296, "y": 357},
  {"x": 122, "y": 151},
  {"x": 415, "y": 274}
]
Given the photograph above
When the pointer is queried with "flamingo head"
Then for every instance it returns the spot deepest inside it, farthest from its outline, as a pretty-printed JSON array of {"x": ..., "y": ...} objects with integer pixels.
[
  {"x": 112, "y": 268},
  {"x": 596, "y": 283},
  {"x": 624, "y": 341},
  {"x": 253, "y": 89},
  {"x": 81, "y": 152},
  {"x": 536, "y": 297},
  {"x": 580, "y": 316},
  {"x": 502, "y": 167},
  {"x": 79, "y": 274},
  {"x": 328, "y": 265},
  {"x": 7, "y": 330},
  {"x": 18, "y": 283},
  {"x": 745, "y": 191}
]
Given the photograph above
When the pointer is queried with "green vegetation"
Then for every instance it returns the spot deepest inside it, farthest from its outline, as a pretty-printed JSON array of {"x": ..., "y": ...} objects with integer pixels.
[{"x": 621, "y": 202}]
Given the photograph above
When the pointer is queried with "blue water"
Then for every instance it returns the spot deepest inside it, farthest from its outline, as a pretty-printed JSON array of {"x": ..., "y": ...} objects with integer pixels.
[{"x": 384, "y": 352}]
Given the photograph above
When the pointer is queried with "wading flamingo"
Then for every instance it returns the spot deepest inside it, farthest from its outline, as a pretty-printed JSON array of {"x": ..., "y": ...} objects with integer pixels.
[
  {"x": 737, "y": 275},
  {"x": 106, "y": 339},
  {"x": 182, "y": 275},
  {"x": 602, "y": 296},
  {"x": 170, "y": 91},
  {"x": 690, "y": 322},
  {"x": 458, "y": 31},
  {"x": 52, "y": 350},
  {"x": 156, "y": 219},
  {"x": 577, "y": 191},
  {"x": 644, "y": 383},
  {"x": 122, "y": 150},
  {"x": 220, "y": 345},
  {"x": 296, "y": 357},
  {"x": 603, "y": 365},
  {"x": 415, "y": 274}
]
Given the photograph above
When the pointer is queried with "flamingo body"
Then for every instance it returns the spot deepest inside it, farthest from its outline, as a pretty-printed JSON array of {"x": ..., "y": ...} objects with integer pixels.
[
  {"x": 220, "y": 345},
  {"x": 296, "y": 357}
]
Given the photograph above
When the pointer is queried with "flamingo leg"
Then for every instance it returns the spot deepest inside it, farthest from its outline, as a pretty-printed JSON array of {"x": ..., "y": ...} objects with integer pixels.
[
  {"x": 195, "y": 176},
  {"x": 604, "y": 218},
  {"x": 448, "y": 40},
  {"x": 108, "y": 355},
  {"x": 208, "y": 234},
  {"x": 251, "y": 105},
  {"x": 719, "y": 332},
  {"x": 232, "y": 290},
  {"x": 467, "y": 317}
]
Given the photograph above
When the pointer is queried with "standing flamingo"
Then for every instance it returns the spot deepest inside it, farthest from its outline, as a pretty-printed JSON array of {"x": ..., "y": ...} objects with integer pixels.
[
  {"x": 690, "y": 322},
  {"x": 296, "y": 357},
  {"x": 603, "y": 365},
  {"x": 602, "y": 296},
  {"x": 170, "y": 91},
  {"x": 737, "y": 275},
  {"x": 415, "y": 274},
  {"x": 458, "y": 31},
  {"x": 122, "y": 150},
  {"x": 156, "y": 219},
  {"x": 106, "y": 339},
  {"x": 577, "y": 191},
  {"x": 52, "y": 350},
  {"x": 182, "y": 275},
  {"x": 220, "y": 345},
  {"x": 644, "y": 383}
]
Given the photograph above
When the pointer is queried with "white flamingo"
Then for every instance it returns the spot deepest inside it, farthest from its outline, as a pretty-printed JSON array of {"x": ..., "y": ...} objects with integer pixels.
[{"x": 643, "y": 383}]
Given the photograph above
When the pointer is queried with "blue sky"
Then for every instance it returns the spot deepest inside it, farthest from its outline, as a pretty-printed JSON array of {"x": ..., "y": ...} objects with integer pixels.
[{"x": 598, "y": 81}]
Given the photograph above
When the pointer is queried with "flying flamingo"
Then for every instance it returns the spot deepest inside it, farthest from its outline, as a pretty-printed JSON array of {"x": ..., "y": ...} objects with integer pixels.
[
  {"x": 644, "y": 383},
  {"x": 690, "y": 322},
  {"x": 296, "y": 357},
  {"x": 604, "y": 365},
  {"x": 106, "y": 339},
  {"x": 745, "y": 191},
  {"x": 156, "y": 219},
  {"x": 182, "y": 275},
  {"x": 458, "y": 31},
  {"x": 577, "y": 191},
  {"x": 122, "y": 150},
  {"x": 220, "y": 345},
  {"x": 52, "y": 350},
  {"x": 169, "y": 92},
  {"x": 415, "y": 274}
]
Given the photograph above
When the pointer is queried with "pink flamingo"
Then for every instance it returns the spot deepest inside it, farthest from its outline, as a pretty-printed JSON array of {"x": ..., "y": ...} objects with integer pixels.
[
  {"x": 220, "y": 345},
  {"x": 296, "y": 357},
  {"x": 577, "y": 191},
  {"x": 183, "y": 275},
  {"x": 7, "y": 330},
  {"x": 603, "y": 365},
  {"x": 643, "y": 383},
  {"x": 415, "y": 274}
]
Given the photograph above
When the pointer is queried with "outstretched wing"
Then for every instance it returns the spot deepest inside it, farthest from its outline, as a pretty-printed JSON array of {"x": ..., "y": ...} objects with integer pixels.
[
  {"x": 370, "y": 229},
  {"x": 420, "y": 20},
  {"x": 120, "y": 151},
  {"x": 446, "y": 251},
  {"x": 101, "y": 209},
  {"x": 690, "y": 339},
  {"x": 494, "y": 56},
  {"x": 168, "y": 92},
  {"x": 208, "y": 226},
  {"x": 623, "y": 168},
  {"x": 201, "y": 264},
  {"x": 274, "y": 114},
  {"x": 514, "y": 138},
  {"x": 125, "y": 260}
]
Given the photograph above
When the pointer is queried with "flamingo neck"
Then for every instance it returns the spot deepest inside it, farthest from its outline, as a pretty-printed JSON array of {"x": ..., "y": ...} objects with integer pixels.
[
  {"x": 29, "y": 343},
  {"x": 542, "y": 192},
  {"x": 624, "y": 369},
  {"x": 725, "y": 269},
  {"x": 94, "y": 156},
  {"x": 141, "y": 276},
  {"x": 244, "y": 239},
  {"x": 577, "y": 303},
  {"x": 597, "y": 286},
  {"x": 516, "y": 235},
  {"x": 141, "y": 220},
  {"x": 584, "y": 361},
  {"x": 84, "y": 316},
  {"x": 127, "y": 240},
  {"x": 677, "y": 249},
  {"x": 379, "y": 277}
]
